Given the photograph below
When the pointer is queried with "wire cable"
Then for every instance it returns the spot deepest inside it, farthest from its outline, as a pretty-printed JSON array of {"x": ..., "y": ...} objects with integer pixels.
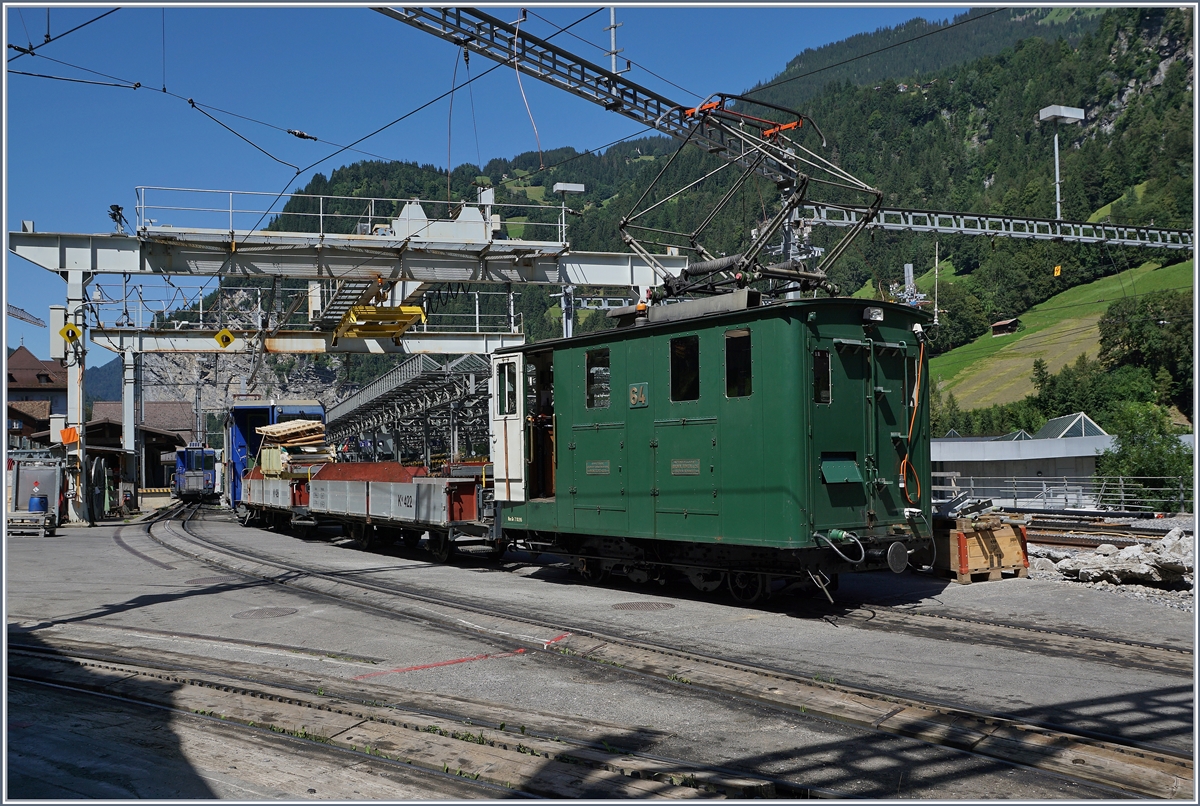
[
  {"x": 88, "y": 70},
  {"x": 471, "y": 94},
  {"x": 74, "y": 80},
  {"x": 28, "y": 38},
  {"x": 30, "y": 51},
  {"x": 450, "y": 129},
  {"x": 631, "y": 61},
  {"x": 906, "y": 465},
  {"x": 240, "y": 136},
  {"x": 520, "y": 86}
]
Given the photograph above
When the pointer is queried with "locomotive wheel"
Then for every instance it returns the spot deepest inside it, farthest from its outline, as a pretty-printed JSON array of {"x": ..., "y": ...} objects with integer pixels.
[
  {"x": 592, "y": 571},
  {"x": 441, "y": 547},
  {"x": 706, "y": 581},
  {"x": 747, "y": 588}
]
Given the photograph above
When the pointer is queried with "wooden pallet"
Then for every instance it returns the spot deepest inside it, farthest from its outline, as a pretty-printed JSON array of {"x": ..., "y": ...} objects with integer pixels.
[
  {"x": 990, "y": 575},
  {"x": 27, "y": 523},
  {"x": 982, "y": 550}
]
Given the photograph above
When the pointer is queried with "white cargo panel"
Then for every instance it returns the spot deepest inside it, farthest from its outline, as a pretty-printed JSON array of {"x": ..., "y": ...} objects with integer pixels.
[
  {"x": 338, "y": 497},
  {"x": 318, "y": 496},
  {"x": 431, "y": 501},
  {"x": 393, "y": 501},
  {"x": 252, "y": 491},
  {"x": 277, "y": 493}
]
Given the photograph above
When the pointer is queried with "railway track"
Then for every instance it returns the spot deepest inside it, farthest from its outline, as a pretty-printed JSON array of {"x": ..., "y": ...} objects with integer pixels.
[
  {"x": 1089, "y": 533},
  {"x": 496, "y": 752},
  {"x": 1120, "y": 652},
  {"x": 1100, "y": 760}
]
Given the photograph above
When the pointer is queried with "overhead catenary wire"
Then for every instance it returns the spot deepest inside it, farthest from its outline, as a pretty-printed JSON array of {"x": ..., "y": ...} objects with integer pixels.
[
  {"x": 30, "y": 51},
  {"x": 639, "y": 65},
  {"x": 241, "y": 136},
  {"x": 74, "y": 80},
  {"x": 403, "y": 117}
]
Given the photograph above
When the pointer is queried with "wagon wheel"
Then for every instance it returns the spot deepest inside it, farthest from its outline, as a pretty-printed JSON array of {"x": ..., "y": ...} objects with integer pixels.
[
  {"x": 362, "y": 535},
  {"x": 706, "y": 581},
  {"x": 441, "y": 546},
  {"x": 592, "y": 571},
  {"x": 746, "y": 587},
  {"x": 496, "y": 552}
]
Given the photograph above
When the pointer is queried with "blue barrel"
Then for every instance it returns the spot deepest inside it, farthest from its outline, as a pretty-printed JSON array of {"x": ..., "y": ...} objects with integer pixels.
[{"x": 39, "y": 503}]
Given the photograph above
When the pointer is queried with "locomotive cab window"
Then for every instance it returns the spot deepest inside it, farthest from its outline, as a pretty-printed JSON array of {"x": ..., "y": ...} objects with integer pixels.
[
  {"x": 821, "y": 376},
  {"x": 506, "y": 388},
  {"x": 685, "y": 368},
  {"x": 737, "y": 363},
  {"x": 598, "y": 376}
]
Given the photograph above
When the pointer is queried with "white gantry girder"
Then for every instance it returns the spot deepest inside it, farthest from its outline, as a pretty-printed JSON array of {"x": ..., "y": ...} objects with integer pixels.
[
  {"x": 998, "y": 226},
  {"x": 313, "y": 256},
  {"x": 194, "y": 340}
]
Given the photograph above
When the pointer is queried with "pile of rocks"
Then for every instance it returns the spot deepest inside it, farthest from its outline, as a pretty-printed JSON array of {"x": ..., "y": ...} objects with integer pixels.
[{"x": 1168, "y": 562}]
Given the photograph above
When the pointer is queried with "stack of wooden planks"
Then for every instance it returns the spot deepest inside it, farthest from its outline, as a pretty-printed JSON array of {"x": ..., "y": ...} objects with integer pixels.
[{"x": 301, "y": 443}]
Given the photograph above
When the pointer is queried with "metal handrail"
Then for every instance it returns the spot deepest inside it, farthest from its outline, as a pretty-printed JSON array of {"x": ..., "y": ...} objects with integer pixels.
[
  {"x": 1126, "y": 493},
  {"x": 231, "y": 211}
]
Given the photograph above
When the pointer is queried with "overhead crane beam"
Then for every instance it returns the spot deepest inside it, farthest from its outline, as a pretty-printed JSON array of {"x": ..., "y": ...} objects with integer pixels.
[{"x": 502, "y": 42}]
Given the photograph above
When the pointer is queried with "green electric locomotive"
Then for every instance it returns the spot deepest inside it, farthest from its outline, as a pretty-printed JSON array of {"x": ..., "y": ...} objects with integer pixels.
[{"x": 737, "y": 443}]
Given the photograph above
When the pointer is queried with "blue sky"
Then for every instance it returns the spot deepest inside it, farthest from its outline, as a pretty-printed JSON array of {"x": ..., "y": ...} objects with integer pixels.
[{"x": 337, "y": 73}]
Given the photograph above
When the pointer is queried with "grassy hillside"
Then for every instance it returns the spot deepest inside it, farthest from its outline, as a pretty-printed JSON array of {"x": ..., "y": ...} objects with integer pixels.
[
  {"x": 946, "y": 275},
  {"x": 996, "y": 369}
]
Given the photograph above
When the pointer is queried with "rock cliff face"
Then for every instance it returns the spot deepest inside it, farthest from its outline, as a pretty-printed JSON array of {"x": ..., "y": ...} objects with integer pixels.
[
  {"x": 223, "y": 378},
  {"x": 1153, "y": 49}
]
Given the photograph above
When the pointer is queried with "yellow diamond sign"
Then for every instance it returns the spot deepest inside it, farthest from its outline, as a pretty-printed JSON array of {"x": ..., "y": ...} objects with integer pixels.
[
  {"x": 224, "y": 338},
  {"x": 70, "y": 333}
]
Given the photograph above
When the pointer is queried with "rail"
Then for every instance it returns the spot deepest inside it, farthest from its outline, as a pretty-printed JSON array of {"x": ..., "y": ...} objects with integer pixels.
[
  {"x": 165, "y": 208},
  {"x": 1119, "y": 493}
]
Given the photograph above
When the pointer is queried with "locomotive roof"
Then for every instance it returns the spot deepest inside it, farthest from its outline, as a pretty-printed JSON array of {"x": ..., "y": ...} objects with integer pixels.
[{"x": 702, "y": 318}]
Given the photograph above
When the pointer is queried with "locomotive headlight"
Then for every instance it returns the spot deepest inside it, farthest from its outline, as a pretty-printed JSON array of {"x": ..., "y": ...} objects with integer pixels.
[{"x": 873, "y": 315}]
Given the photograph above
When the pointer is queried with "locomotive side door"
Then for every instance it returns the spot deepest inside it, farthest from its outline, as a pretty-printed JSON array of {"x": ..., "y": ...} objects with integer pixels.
[
  {"x": 841, "y": 463},
  {"x": 508, "y": 426}
]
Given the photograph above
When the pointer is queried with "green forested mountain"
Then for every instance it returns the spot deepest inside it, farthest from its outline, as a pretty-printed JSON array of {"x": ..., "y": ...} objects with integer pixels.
[
  {"x": 870, "y": 59},
  {"x": 930, "y": 131}
]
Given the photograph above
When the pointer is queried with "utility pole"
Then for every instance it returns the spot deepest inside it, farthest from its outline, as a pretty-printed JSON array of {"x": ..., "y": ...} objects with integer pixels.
[{"x": 612, "y": 27}]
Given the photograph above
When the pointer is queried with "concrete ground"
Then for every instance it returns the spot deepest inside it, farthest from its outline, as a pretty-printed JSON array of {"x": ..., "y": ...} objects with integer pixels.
[{"x": 111, "y": 584}]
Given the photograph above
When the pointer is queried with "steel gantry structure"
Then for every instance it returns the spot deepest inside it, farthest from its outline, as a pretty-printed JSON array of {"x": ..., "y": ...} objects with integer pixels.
[
  {"x": 373, "y": 278},
  {"x": 502, "y": 42}
]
